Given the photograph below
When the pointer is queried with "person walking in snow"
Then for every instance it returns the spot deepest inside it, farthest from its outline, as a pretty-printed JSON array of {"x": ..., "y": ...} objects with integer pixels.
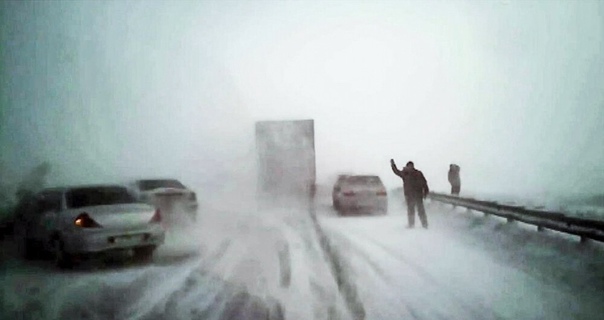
[
  {"x": 454, "y": 179},
  {"x": 415, "y": 189}
]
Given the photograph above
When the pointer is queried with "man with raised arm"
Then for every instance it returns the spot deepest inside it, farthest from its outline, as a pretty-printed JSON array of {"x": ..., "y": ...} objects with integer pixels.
[{"x": 416, "y": 190}]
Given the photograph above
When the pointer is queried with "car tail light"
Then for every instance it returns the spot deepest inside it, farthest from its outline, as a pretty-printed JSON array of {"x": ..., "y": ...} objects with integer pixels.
[
  {"x": 382, "y": 193},
  {"x": 349, "y": 193},
  {"x": 85, "y": 221},
  {"x": 156, "y": 217}
]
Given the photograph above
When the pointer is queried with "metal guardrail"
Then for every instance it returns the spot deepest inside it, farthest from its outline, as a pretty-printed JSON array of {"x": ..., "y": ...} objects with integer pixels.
[{"x": 584, "y": 228}]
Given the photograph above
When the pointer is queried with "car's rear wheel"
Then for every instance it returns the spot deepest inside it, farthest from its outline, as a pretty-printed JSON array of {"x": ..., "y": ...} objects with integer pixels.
[
  {"x": 144, "y": 254},
  {"x": 26, "y": 246},
  {"x": 31, "y": 250},
  {"x": 62, "y": 259}
]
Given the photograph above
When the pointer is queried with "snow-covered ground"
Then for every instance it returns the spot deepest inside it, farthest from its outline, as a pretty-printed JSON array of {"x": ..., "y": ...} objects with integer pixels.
[
  {"x": 467, "y": 266},
  {"x": 248, "y": 262}
]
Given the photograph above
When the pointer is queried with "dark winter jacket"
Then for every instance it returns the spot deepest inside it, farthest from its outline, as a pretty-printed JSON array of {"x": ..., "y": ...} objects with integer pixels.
[
  {"x": 414, "y": 182},
  {"x": 454, "y": 179}
]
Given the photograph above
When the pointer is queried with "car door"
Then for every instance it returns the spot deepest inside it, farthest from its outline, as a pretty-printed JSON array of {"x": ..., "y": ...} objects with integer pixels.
[{"x": 48, "y": 205}]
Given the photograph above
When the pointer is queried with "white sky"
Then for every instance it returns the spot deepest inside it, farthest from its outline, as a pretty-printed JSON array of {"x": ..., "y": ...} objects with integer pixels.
[{"x": 509, "y": 90}]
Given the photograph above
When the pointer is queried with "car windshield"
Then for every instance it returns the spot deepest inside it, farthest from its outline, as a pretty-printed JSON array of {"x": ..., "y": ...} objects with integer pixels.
[
  {"x": 145, "y": 185},
  {"x": 98, "y": 196}
]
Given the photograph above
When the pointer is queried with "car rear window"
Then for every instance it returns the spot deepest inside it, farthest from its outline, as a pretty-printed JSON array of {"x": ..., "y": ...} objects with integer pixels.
[
  {"x": 98, "y": 196},
  {"x": 364, "y": 180},
  {"x": 145, "y": 185}
]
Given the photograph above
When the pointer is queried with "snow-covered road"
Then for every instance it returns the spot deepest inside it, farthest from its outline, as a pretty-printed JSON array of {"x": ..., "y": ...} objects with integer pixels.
[
  {"x": 259, "y": 263},
  {"x": 466, "y": 267}
]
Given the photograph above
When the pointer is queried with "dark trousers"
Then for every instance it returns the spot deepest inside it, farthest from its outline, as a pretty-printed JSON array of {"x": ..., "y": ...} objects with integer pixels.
[
  {"x": 418, "y": 202},
  {"x": 455, "y": 189}
]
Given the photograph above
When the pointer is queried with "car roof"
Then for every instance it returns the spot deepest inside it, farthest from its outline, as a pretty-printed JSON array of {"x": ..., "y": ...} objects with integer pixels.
[
  {"x": 360, "y": 176},
  {"x": 82, "y": 186},
  {"x": 357, "y": 178}
]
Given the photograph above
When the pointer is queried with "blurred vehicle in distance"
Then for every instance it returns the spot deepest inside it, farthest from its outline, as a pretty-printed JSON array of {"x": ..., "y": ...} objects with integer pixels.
[
  {"x": 75, "y": 223},
  {"x": 286, "y": 159},
  {"x": 361, "y": 194},
  {"x": 177, "y": 203}
]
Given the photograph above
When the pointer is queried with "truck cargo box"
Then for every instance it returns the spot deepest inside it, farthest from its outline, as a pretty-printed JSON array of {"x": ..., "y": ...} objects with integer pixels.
[{"x": 286, "y": 158}]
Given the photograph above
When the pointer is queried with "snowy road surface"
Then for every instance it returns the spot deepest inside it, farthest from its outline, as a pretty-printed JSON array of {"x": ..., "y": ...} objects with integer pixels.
[
  {"x": 467, "y": 267},
  {"x": 243, "y": 263}
]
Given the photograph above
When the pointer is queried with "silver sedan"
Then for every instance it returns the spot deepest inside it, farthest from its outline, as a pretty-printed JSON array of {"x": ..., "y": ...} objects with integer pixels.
[
  {"x": 361, "y": 194},
  {"x": 76, "y": 222}
]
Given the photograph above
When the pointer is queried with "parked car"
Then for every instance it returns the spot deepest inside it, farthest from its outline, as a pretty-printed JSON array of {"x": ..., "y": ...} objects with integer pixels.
[
  {"x": 72, "y": 223},
  {"x": 169, "y": 195},
  {"x": 360, "y": 193}
]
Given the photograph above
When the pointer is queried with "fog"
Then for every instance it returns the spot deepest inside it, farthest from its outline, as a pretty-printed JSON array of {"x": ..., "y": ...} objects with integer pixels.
[{"x": 105, "y": 91}]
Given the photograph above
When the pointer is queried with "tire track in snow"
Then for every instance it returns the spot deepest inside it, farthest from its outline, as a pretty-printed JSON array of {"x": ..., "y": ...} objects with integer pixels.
[
  {"x": 203, "y": 296},
  {"x": 341, "y": 241},
  {"x": 140, "y": 298},
  {"x": 379, "y": 273},
  {"x": 339, "y": 271},
  {"x": 193, "y": 280},
  {"x": 285, "y": 265},
  {"x": 477, "y": 311}
]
